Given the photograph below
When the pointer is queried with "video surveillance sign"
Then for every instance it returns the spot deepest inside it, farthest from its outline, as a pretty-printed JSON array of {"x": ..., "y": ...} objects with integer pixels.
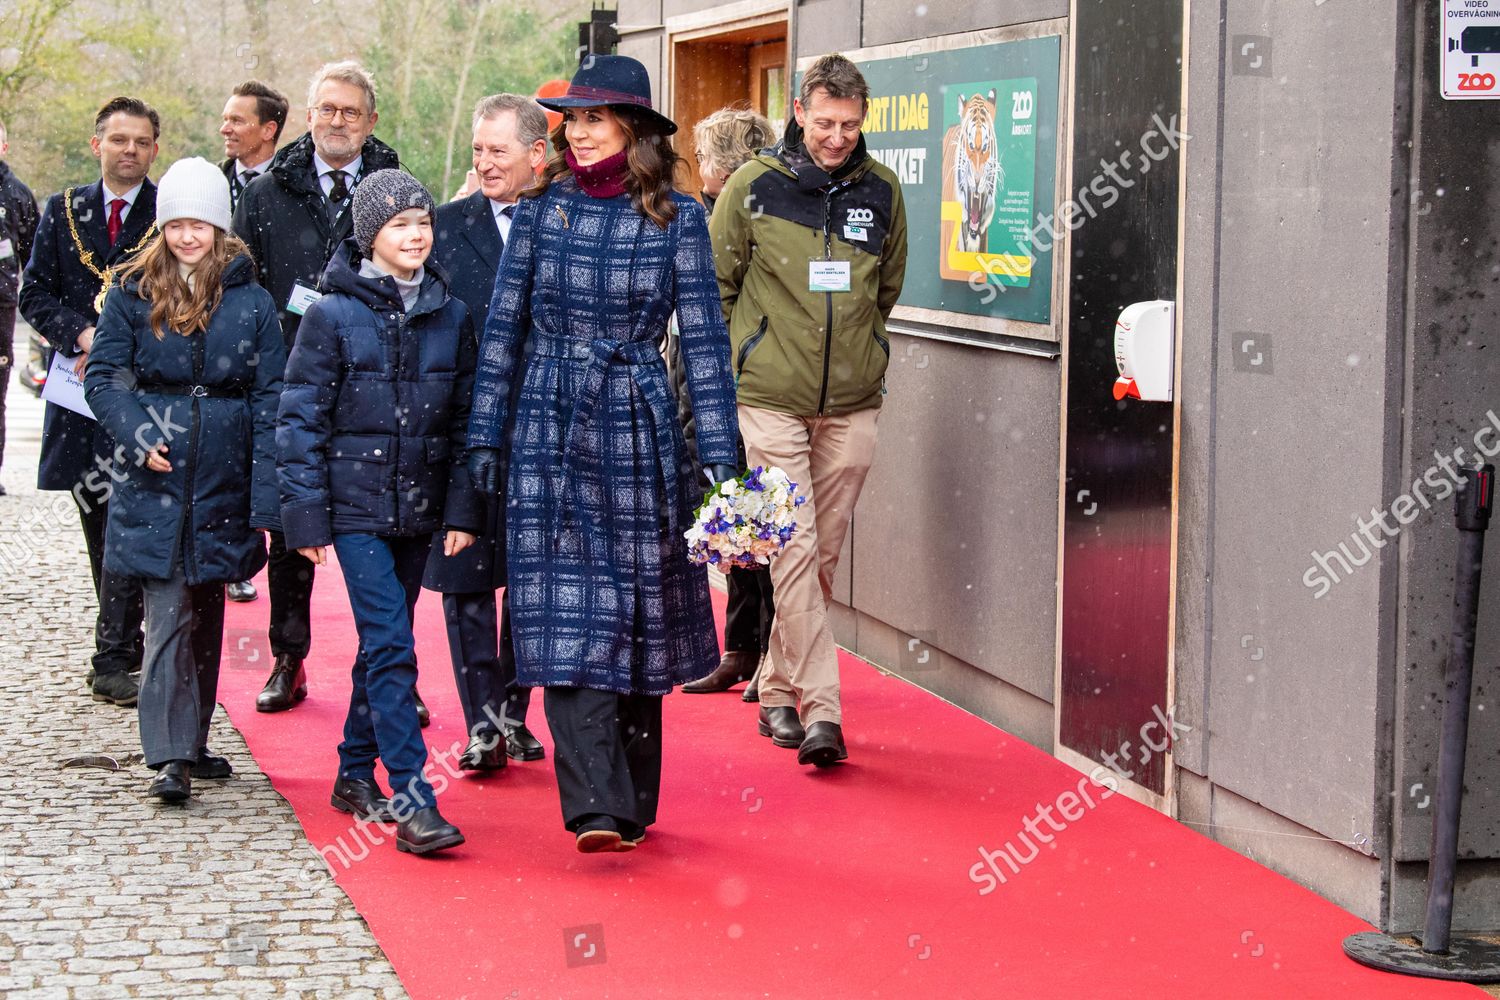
[{"x": 1471, "y": 49}]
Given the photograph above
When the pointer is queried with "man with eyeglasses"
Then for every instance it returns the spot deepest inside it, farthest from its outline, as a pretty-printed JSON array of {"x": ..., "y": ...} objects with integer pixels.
[{"x": 293, "y": 218}]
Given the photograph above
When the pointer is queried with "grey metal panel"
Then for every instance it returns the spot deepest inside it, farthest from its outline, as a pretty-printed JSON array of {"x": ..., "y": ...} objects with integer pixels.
[
  {"x": 1294, "y": 690},
  {"x": 1454, "y": 391},
  {"x": 647, "y": 47},
  {"x": 827, "y": 26},
  {"x": 955, "y": 536},
  {"x": 1197, "y": 363},
  {"x": 959, "y": 683},
  {"x": 676, "y": 8},
  {"x": 900, "y": 20}
]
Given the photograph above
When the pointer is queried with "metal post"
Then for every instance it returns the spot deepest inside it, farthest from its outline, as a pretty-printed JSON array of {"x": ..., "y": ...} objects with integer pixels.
[
  {"x": 1472, "y": 513},
  {"x": 1440, "y": 956}
]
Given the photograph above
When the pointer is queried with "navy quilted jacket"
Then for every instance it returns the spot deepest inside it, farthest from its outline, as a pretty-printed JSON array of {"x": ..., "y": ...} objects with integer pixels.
[
  {"x": 374, "y": 411},
  {"x": 199, "y": 516}
]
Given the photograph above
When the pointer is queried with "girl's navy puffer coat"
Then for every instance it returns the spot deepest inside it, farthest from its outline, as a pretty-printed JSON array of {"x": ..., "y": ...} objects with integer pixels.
[
  {"x": 371, "y": 431},
  {"x": 211, "y": 397}
]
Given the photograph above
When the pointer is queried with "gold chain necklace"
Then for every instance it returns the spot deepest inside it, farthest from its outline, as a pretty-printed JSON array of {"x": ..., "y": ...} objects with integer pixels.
[{"x": 87, "y": 256}]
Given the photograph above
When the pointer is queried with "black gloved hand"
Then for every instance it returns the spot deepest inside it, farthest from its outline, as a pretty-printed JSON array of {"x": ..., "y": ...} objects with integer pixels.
[
  {"x": 484, "y": 470},
  {"x": 719, "y": 473}
]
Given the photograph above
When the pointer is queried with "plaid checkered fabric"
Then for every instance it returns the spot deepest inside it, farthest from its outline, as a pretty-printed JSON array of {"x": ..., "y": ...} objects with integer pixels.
[{"x": 600, "y": 485}]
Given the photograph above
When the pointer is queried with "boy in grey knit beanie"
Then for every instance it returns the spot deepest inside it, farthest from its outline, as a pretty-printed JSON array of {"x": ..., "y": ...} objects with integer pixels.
[
  {"x": 382, "y": 196},
  {"x": 393, "y": 228}
]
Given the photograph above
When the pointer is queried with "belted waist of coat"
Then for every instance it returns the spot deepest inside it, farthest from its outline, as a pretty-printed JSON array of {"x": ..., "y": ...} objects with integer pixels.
[
  {"x": 602, "y": 354},
  {"x": 182, "y": 389},
  {"x": 601, "y": 351}
]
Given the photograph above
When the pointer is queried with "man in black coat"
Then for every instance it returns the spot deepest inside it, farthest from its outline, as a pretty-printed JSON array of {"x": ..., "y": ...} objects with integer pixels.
[
  {"x": 293, "y": 218},
  {"x": 510, "y": 144},
  {"x": 251, "y": 125},
  {"x": 17, "y": 229},
  {"x": 85, "y": 235}
]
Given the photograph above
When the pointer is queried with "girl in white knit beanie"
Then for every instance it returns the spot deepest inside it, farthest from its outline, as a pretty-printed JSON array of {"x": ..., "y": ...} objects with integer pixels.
[{"x": 185, "y": 375}]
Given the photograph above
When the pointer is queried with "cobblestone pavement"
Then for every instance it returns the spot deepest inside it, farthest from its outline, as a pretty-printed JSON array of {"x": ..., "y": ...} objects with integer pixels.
[{"x": 104, "y": 893}]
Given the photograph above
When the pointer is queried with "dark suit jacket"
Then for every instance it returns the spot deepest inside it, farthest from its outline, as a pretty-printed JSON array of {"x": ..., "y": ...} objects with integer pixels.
[
  {"x": 466, "y": 244},
  {"x": 57, "y": 299}
]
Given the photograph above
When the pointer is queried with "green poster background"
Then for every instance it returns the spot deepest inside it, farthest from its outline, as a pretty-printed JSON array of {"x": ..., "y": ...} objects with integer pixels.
[{"x": 915, "y": 101}]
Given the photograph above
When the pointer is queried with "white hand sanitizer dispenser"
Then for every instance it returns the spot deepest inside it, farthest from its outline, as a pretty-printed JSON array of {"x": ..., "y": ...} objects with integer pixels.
[{"x": 1145, "y": 335}]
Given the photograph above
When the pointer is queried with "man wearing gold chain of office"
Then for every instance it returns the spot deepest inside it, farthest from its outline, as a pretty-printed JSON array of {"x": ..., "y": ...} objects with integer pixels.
[{"x": 85, "y": 235}]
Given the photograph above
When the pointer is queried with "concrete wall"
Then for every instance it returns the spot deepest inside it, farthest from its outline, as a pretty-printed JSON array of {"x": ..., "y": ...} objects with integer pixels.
[
  {"x": 981, "y": 603},
  {"x": 1340, "y": 225},
  {"x": 1370, "y": 314}
]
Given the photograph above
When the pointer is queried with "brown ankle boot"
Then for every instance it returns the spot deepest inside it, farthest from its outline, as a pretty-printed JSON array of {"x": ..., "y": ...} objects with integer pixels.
[{"x": 732, "y": 669}]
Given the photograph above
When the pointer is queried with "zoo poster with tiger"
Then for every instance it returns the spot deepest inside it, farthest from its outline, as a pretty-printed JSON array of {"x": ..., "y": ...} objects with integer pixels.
[
  {"x": 971, "y": 133},
  {"x": 989, "y": 173}
]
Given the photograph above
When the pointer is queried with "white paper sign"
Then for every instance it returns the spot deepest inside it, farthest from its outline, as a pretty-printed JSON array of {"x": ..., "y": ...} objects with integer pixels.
[
  {"x": 63, "y": 387},
  {"x": 1471, "y": 50}
]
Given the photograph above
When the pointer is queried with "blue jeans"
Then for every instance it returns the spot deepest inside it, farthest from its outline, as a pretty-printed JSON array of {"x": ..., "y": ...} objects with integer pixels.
[{"x": 383, "y": 575}]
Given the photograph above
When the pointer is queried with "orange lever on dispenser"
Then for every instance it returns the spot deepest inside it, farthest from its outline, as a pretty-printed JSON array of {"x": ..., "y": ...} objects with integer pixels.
[{"x": 1126, "y": 387}]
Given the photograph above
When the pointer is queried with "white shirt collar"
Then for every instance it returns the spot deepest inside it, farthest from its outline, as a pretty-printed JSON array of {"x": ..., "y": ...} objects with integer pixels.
[
  {"x": 351, "y": 168},
  {"x": 129, "y": 196},
  {"x": 240, "y": 169},
  {"x": 498, "y": 206}
]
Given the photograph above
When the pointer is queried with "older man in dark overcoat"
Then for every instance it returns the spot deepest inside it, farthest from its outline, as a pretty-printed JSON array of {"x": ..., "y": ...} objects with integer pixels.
[{"x": 510, "y": 143}]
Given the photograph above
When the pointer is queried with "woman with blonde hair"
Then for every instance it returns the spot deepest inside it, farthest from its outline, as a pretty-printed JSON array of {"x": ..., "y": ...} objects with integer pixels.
[
  {"x": 185, "y": 375},
  {"x": 724, "y": 141}
]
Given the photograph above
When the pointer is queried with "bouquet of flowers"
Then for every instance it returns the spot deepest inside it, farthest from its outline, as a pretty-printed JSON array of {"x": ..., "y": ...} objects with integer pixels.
[{"x": 745, "y": 521}]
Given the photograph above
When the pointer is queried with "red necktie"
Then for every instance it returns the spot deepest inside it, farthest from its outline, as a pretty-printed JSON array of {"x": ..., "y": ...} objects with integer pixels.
[{"x": 116, "y": 219}]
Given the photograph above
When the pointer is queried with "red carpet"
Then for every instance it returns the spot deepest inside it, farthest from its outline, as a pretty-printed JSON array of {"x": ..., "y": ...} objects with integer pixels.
[{"x": 763, "y": 879}]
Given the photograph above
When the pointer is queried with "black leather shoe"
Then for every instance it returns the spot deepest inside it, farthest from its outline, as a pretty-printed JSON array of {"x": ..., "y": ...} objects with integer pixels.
[
  {"x": 752, "y": 689},
  {"x": 521, "y": 745},
  {"x": 483, "y": 753},
  {"x": 172, "y": 783},
  {"x": 426, "y": 831},
  {"x": 116, "y": 689},
  {"x": 733, "y": 668},
  {"x": 782, "y": 725},
  {"x": 286, "y": 686},
  {"x": 241, "y": 592},
  {"x": 211, "y": 766},
  {"x": 601, "y": 835},
  {"x": 824, "y": 746},
  {"x": 424, "y": 717},
  {"x": 362, "y": 799}
]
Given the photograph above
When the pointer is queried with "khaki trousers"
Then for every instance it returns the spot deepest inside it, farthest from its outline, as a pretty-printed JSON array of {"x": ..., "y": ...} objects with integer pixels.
[{"x": 828, "y": 458}]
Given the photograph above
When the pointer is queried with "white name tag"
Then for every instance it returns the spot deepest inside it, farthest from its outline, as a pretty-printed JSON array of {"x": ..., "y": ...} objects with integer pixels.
[
  {"x": 6, "y": 250},
  {"x": 856, "y": 233},
  {"x": 302, "y": 298},
  {"x": 828, "y": 276}
]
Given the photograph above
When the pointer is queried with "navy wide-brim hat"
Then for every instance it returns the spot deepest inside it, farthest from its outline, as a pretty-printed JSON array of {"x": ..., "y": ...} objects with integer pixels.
[{"x": 610, "y": 80}]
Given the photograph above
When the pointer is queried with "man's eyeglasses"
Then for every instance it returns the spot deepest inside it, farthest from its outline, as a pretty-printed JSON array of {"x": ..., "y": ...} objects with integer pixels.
[{"x": 327, "y": 112}]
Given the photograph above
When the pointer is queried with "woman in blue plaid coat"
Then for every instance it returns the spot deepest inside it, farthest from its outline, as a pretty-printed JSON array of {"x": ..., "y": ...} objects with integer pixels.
[{"x": 607, "y": 611}]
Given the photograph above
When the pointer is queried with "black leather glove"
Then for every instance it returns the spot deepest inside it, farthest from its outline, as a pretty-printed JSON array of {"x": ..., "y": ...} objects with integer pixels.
[
  {"x": 484, "y": 470},
  {"x": 719, "y": 473}
]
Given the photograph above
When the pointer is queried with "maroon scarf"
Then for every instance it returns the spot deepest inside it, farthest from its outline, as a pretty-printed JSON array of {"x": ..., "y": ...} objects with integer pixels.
[{"x": 604, "y": 179}]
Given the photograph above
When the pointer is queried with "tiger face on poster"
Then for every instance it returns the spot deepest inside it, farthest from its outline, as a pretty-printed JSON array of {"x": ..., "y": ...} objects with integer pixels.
[{"x": 989, "y": 172}]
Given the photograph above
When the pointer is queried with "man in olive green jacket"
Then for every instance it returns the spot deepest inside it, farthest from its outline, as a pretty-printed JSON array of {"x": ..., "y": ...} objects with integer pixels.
[{"x": 810, "y": 247}]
